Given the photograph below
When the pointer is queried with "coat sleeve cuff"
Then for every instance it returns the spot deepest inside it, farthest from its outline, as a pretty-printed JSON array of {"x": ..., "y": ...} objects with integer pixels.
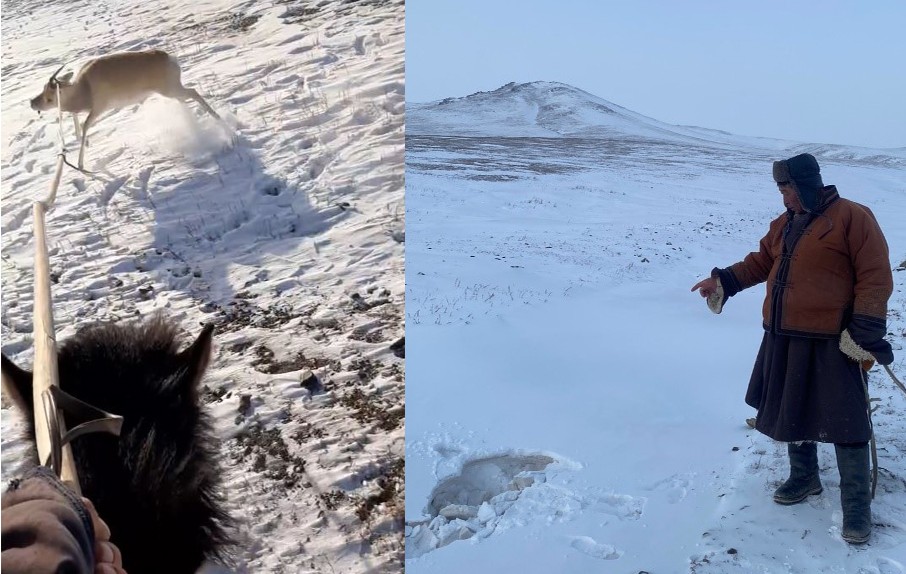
[
  {"x": 869, "y": 332},
  {"x": 727, "y": 280},
  {"x": 45, "y": 526}
]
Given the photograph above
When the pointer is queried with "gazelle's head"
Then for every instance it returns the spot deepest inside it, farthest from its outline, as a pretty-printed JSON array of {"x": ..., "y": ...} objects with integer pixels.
[{"x": 47, "y": 99}]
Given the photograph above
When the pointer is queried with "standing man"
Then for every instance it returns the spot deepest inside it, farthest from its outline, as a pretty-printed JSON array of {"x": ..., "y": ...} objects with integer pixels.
[{"x": 827, "y": 269}]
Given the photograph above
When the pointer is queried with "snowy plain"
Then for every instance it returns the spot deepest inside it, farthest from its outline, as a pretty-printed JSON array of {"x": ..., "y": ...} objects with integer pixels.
[
  {"x": 283, "y": 225},
  {"x": 572, "y": 406}
]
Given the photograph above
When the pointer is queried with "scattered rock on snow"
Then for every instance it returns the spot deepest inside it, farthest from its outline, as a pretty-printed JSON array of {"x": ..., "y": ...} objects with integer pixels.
[
  {"x": 399, "y": 347},
  {"x": 310, "y": 381}
]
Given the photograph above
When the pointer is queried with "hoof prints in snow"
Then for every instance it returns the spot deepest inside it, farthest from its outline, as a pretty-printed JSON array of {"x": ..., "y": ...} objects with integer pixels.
[{"x": 472, "y": 502}]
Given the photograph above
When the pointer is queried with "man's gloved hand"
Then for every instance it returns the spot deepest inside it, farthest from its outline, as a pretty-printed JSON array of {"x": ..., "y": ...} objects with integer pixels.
[
  {"x": 855, "y": 352},
  {"x": 48, "y": 528},
  {"x": 712, "y": 289},
  {"x": 45, "y": 527},
  {"x": 868, "y": 333}
]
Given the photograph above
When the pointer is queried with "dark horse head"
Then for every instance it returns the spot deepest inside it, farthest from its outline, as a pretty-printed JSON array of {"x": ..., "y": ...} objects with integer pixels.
[{"x": 157, "y": 484}]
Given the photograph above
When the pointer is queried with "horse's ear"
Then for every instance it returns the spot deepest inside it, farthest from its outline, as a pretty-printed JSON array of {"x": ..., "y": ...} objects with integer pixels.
[
  {"x": 17, "y": 384},
  {"x": 196, "y": 357},
  {"x": 64, "y": 79}
]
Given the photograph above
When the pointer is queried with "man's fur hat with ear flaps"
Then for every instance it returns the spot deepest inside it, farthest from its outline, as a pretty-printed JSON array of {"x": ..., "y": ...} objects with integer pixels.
[{"x": 803, "y": 171}]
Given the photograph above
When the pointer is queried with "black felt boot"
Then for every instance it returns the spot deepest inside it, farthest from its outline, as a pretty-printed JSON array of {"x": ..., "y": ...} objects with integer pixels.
[
  {"x": 803, "y": 479},
  {"x": 855, "y": 492}
]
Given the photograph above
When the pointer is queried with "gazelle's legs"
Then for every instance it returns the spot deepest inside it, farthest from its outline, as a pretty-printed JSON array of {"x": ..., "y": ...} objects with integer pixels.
[
  {"x": 197, "y": 97},
  {"x": 189, "y": 93},
  {"x": 91, "y": 117}
]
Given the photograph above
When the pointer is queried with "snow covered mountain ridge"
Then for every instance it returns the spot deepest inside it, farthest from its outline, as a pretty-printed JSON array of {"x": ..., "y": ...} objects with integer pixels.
[{"x": 557, "y": 110}]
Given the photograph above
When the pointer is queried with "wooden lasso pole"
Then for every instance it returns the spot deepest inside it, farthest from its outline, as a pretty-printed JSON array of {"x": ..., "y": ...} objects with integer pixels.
[{"x": 45, "y": 364}]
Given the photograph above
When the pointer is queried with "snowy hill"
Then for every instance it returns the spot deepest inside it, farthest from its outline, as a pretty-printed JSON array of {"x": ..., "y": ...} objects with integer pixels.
[
  {"x": 283, "y": 225},
  {"x": 571, "y": 406},
  {"x": 552, "y": 109}
]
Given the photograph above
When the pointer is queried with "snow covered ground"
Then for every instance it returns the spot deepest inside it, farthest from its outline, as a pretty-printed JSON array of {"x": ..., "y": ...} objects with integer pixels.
[
  {"x": 572, "y": 406},
  {"x": 283, "y": 225}
]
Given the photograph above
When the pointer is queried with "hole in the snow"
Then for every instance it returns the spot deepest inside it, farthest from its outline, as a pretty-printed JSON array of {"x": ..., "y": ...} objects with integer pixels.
[
  {"x": 472, "y": 502},
  {"x": 482, "y": 479}
]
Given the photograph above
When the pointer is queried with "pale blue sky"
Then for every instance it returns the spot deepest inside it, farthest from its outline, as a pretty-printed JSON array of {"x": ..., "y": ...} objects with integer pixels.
[{"x": 822, "y": 72}]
